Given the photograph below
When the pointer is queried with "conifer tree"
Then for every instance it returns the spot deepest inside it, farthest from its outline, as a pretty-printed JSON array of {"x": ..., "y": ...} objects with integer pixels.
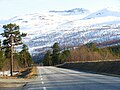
[
  {"x": 26, "y": 58},
  {"x": 55, "y": 56},
  {"x": 47, "y": 59},
  {"x": 13, "y": 37},
  {"x": 0, "y": 46},
  {"x": 1, "y": 56}
]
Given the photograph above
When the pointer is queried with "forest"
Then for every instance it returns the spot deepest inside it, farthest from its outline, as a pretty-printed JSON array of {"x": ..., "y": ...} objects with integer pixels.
[
  {"x": 82, "y": 53},
  {"x": 10, "y": 58}
]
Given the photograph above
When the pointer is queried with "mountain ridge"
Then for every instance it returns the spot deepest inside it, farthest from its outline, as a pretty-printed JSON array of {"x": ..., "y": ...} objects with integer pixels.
[
  {"x": 72, "y": 11},
  {"x": 104, "y": 13},
  {"x": 46, "y": 28}
]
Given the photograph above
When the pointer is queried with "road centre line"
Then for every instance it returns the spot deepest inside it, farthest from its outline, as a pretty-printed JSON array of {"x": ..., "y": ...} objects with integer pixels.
[
  {"x": 44, "y": 88},
  {"x": 41, "y": 78},
  {"x": 42, "y": 82}
]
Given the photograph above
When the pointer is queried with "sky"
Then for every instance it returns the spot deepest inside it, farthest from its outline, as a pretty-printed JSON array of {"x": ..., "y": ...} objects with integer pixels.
[{"x": 11, "y": 8}]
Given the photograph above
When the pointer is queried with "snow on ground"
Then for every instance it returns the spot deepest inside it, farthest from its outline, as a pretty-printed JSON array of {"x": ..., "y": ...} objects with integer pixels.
[{"x": 7, "y": 73}]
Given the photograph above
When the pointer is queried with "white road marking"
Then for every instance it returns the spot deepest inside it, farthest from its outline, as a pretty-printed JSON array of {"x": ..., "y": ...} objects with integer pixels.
[
  {"x": 35, "y": 88},
  {"x": 41, "y": 78},
  {"x": 42, "y": 82},
  {"x": 44, "y": 88}
]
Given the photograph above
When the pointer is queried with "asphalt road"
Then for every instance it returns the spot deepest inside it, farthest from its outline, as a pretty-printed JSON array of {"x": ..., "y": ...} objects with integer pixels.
[{"x": 52, "y": 78}]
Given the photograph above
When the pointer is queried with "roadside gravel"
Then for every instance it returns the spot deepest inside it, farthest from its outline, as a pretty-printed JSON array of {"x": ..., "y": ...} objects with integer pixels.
[{"x": 14, "y": 82}]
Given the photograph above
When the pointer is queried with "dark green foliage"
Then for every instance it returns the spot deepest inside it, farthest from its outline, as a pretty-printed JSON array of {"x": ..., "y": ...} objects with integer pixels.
[
  {"x": 55, "y": 48},
  {"x": 57, "y": 57},
  {"x": 92, "y": 46},
  {"x": 1, "y": 59},
  {"x": 29, "y": 59},
  {"x": 92, "y": 52},
  {"x": 0, "y": 46},
  {"x": 25, "y": 48},
  {"x": 13, "y": 38},
  {"x": 115, "y": 50},
  {"x": 87, "y": 52},
  {"x": 47, "y": 58},
  {"x": 7, "y": 52},
  {"x": 25, "y": 57},
  {"x": 63, "y": 56},
  {"x": 66, "y": 53},
  {"x": 12, "y": 34}
]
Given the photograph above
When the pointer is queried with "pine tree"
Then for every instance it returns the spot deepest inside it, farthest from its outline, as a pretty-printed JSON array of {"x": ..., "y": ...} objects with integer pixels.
[
  {"x": 0, "y": 46},
  {"x": 47, "y": 59},
  {"x": 26, "y": 58},
  {"x": 6, "y": 49},
  {"x": 12, "y": 38},
  {"x": 1, "y": 59},
  {"x": 1, "y": 56},
  {"x": 55, "y": 55}
]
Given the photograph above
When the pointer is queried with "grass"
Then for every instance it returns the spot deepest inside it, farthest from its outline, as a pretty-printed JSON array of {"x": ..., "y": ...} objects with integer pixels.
[
  {"x": 28, "y": 73},
  {"x": 33, "y": 72}
]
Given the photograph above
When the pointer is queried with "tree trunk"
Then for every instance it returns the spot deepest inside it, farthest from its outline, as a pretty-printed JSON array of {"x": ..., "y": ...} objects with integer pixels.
[
  {"x": 11, "y": 61},
  {"x": 11, "y": 55}
]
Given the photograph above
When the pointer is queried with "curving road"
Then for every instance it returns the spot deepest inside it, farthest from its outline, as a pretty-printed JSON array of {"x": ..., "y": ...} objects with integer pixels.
[{"x": 52, "y": 78}]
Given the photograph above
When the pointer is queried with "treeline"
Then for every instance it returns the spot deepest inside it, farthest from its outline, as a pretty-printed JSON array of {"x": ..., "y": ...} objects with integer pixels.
[
  {"x": 87, "y": 52},
  {"x": 56, "y": 56},
  {"x": 11, "y": 59},
  {"x": 91, "y": 52}
]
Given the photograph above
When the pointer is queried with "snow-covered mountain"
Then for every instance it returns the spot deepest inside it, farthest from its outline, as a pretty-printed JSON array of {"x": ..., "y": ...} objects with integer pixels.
[
  {"x": 74, "y": 11},
  {"x": 114, "y": 12},
  {"x": 69, "y": 28}
]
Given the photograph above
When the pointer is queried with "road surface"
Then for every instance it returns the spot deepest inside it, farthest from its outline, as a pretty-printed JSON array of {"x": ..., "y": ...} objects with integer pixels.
[{"x": 52, "y": 78}]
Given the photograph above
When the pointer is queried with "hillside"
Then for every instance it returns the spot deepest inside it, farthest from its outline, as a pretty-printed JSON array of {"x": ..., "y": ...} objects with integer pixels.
[{"x": 69, "y": 28}]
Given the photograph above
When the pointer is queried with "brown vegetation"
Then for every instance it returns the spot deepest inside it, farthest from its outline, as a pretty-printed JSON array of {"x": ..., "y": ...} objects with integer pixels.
[
  {"x": 91, "y": 53},
  {"x": 30, "y": 72},
  {"x": 33, "y": 72}
]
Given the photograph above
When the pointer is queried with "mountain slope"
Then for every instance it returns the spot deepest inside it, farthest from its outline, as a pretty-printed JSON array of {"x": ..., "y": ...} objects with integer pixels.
[
  {"x": 45, "y": 28},
  {"x": 104, "y": 13}
]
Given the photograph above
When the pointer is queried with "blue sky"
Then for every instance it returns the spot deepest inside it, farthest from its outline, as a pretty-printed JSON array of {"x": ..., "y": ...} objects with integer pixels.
[{"x": 11, "y": 8}]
